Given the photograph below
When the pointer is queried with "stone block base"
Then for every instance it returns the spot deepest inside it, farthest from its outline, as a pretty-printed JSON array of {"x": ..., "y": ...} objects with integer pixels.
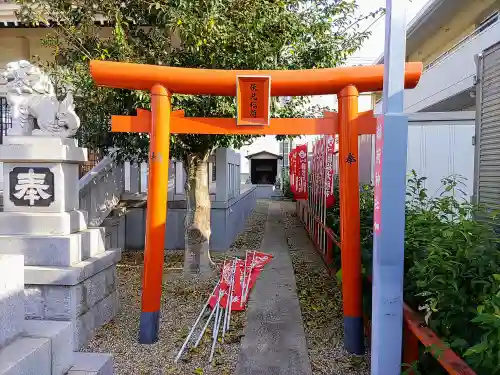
[
  {"x": 84, "y": 295},
  {"x": 87, "y": 324}
]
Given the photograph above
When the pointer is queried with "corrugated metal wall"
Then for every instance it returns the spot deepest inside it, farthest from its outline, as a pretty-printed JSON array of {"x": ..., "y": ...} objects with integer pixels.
[
  {"x": 487, "y": 188},
  {"x": 440, "y": 144}
]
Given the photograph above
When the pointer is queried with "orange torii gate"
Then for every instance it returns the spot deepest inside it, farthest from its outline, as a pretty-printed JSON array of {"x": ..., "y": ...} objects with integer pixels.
[{"x": 253, "y": 119}]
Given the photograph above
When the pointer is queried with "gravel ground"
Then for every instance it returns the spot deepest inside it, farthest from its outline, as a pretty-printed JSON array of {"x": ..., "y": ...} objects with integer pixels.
[
  {"x": 182, "y": 301},
  {"x": 321, "y": 305}
]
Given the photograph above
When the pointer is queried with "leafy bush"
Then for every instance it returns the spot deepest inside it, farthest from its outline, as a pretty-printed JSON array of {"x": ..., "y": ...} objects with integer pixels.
[
  {"x": 287, "y": 191},
  {"x": 453, "y": 272},
  {"x": 452, "y": 269}
]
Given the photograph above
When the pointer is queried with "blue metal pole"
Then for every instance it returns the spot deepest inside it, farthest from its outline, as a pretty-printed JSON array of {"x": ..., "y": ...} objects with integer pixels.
[{"x": 389, "y": 210}]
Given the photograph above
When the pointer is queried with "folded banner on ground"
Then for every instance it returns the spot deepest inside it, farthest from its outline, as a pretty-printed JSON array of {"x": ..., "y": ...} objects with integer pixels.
[{"x": 245, "y": 274}]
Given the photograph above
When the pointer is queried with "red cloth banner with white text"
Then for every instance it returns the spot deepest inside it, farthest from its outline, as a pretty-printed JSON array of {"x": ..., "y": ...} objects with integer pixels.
[
  {"x": 301, "y": 169},
  {"x": 330, "y": 171},
  {"x": 291, "y": 176},
  {"x": 322, "y": 162},
  {"x": 245, "y": 276}
]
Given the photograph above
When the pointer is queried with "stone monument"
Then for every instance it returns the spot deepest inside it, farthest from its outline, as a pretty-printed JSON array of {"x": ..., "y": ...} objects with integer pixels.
[{"x": 69, "y": 276}]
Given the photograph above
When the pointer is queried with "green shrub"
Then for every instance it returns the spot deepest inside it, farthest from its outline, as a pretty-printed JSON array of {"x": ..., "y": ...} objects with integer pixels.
[
  {"x": 287, "y": 192},
  {"x": 452, "y": 269},
  {"x": 451, "y": 261}
]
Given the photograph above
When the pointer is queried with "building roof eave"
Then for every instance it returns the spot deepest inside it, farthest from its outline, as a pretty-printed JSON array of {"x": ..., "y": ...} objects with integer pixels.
[{"x": 425, "y": 21}]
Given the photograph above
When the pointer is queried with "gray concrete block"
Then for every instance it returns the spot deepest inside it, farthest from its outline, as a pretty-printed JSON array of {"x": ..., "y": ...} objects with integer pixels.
[
  {"x": 227, "y": 219},
  {"x": 41, "y": 224},
  {"x": 134, "y": 228},
  {"x": 95, "y": 288},
  {"x": 34, "y": 302},
  {"x": 74, "y": 274},
  {"x": 61, "y": 338},
  {"x": 44, "y": 250},
  {"x": 26, "y": 356},
  {"x": 93, "y": 242},
  {"x": 62, "y": 302},
  {"x": 11, "y": 297},
  {"x": 98, "y": 315},
  {"x": 92, "y": 364}
]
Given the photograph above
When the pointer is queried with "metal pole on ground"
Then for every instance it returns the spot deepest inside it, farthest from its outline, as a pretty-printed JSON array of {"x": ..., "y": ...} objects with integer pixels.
[
  {"x": 389, "y": 204},
  {"x": 156, "y": 215},
  {"x": 349, "y": 221}
]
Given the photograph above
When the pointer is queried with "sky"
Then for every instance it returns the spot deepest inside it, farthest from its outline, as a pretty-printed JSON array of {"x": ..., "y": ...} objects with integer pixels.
[
  {"x": 374, "y": 46},
  {"x": 369, "y": 52}
]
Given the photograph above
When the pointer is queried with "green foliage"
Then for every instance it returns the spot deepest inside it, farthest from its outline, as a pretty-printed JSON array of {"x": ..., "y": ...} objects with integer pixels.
[
  {"x": 452, "y": 270},
  {"x": 227, "y": 34},
  {"x": 287, "y": 191}
]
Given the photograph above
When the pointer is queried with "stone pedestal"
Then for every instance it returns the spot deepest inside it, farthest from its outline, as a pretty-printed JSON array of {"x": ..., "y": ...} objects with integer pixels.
[{"x": 69, "y": 275}]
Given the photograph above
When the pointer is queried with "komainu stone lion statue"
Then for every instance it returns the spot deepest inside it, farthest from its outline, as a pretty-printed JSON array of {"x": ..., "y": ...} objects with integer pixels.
[{"x": 33, "y": 103}]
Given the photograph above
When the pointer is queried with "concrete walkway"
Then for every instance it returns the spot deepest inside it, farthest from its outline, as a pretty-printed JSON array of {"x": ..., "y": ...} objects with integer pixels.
[{"x": 274, "y": 341}]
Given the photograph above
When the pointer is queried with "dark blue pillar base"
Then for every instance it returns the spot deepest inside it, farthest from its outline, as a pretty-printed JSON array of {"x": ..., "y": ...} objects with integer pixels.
[
  {"x": 354, "y": 337},
  {"x": 148, "y": 327}
]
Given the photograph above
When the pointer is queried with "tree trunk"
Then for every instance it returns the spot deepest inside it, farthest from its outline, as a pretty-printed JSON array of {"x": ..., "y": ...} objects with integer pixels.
[{"x": 197, "y": 222}]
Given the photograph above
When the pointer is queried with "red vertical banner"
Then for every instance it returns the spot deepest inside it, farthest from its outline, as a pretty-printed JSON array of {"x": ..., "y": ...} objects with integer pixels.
[
  {"x": 329, "y": 171},
  {"x": 379, "y": 146},
  {"x": 301, "y": 168},
  {"x": 322, "y": 167},
  {"x": 313, "y": 168},
  {"x": 316, "y": 169},
  {"x": 291, "y": 170},
  {"x": 295, "y": 171}
]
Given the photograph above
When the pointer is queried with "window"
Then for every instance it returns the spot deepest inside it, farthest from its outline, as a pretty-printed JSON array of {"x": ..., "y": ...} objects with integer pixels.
[
  {"x": 490, "y": 20},
  {"x": 286, "y": 148},
  {"x": 214, "y": 172},
  {"x": 5, "y": 119}
]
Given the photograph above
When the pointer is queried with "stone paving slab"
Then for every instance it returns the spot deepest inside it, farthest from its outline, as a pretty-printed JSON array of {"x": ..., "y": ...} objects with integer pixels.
[{"x": 274, "y": 341}]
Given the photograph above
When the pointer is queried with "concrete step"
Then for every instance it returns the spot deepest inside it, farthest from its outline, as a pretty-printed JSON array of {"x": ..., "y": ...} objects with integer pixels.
[
  {"x": 26, "y": 355},
  {"x": 37, "y": 223},
  {"x": 60, "y": 335},
  {"x": 71, "y": 275},
  {"x": 11, "y": 297},
  {"x": 92, "y": 364},
  {"x": 58, "y": 251}
]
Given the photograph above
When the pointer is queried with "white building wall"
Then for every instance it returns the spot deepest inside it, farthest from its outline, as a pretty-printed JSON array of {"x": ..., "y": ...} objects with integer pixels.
[{"x": 440, "y": 145}]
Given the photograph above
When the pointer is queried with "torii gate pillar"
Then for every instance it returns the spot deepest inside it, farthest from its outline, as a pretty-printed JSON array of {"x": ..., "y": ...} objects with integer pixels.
[{"x": 159, "y": 151}]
